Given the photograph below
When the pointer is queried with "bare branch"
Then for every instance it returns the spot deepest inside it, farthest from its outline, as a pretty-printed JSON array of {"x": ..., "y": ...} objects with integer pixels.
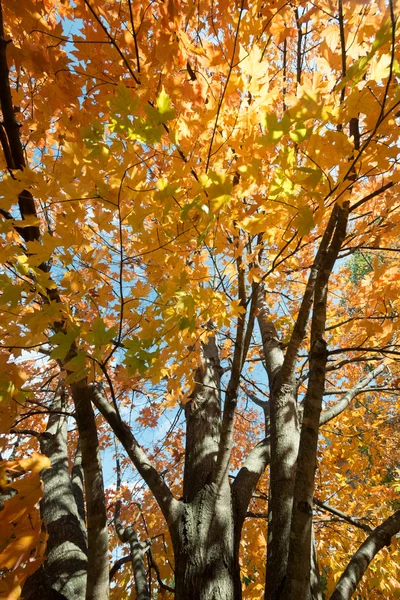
[{"x": 334, "y": 511}]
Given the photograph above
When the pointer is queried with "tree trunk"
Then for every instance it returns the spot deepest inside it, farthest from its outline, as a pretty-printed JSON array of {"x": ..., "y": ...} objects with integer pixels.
[
  {"x": 207, "y": 547},
  {"x": 204, "y": 535},
  {"x": 63, "y": 575},
  {"x": 98, "y": 559}
]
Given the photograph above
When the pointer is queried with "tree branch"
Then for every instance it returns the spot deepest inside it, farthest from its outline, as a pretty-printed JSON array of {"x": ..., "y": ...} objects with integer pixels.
[
  {"x": 226, "y": 440},
  {"x": 305, "y": 307},
  {"x": 380, "y": 537},
  {"x": 118, "y": 564},
  {"x": 340, "y": 406},
  {"x": 128, "y": 534},
  {"x": 335, "y": 511},
  {"x": 168, "y": 504},
  {"x": 12, "y": 146},
  {"x": 247, "y": 478}
]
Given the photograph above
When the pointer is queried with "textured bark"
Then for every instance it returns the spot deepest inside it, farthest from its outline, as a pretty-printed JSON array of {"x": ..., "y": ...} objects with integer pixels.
[
  {"x": 203, "y": 422},
  {"x": 128, "y": 535},
  {"x": 339, "y": 407},
  {"x": 63, "y": 575},
  {"x": 285, "y": 420},
  {"x": 284, "y": 446},
  {"x": 297, "y": 582},
  {"x": 78, "y": 485},
  {"x": 352, "y": 520},
  {"x": 168, "y": 504},
  {"x": 380, "y": 537},
  {"x": 206, "y": 545},
  {"x": 98, "y": 561},
  {"x": 315, "y": 579},
  {"x": 248, "y": 477},
  {"x": 138, "y": 550},
  {"x": 206, "y": 554}
]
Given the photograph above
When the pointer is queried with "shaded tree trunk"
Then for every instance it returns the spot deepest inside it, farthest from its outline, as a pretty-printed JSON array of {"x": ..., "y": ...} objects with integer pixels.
[
  {"x": 63, "y": 575},
  {"x": 205, "y": 525},
  {"x": 207, "y": 546},
  {"x": 97, "y": 527},
  {"x": 206, "y": 560}
]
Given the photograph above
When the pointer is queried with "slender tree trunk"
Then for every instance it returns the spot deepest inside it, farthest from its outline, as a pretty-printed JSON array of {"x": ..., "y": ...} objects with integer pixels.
[
  {"x": 63, "y": 575},
  {"x": 98, "y": 560},
  {"x": 128, "y": 534},
  {"x": 297, "y": 584},
  {"x": 284, "y": 448}
]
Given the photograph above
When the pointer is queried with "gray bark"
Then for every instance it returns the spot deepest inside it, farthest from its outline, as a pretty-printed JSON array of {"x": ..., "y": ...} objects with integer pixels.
[
  {"x": 203, "y": 423},
  {"x": 206, "y": 548},
  {"x": 315, "y": 579},
  {"x": 341, "y": 405},
  {"x": 78, "y": 485},
  {"x": 284, "y": 446},
  {"x": 98, "y": 561},
  {"x": 168, "y": 504},
  {"x": 128, "y": 534},
  {"x": 63, "y": 575},
  {"x": 297, "y": 583},
  {"x": 206, "y": 553},
  {"x": 248, "y": 476}
]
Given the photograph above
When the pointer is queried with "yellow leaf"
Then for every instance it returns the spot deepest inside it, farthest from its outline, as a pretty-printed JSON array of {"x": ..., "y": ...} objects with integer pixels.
[{"x": 35, "y": 463}]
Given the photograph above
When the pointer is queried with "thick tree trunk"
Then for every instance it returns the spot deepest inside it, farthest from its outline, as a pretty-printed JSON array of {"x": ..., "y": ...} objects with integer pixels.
[
  {"x": 284, "y": 449},
  {"x": 206, "y": 550},
  {"x": 204, "y": 535},
  {"x": 63, "y": 575}
]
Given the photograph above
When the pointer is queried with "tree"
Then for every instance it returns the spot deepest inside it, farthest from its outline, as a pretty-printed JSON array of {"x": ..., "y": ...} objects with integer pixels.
[{"x": 183, "y": 188}]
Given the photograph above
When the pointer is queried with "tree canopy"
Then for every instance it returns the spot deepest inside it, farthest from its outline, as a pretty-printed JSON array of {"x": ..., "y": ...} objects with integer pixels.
[{"x": 200, "y": 294}]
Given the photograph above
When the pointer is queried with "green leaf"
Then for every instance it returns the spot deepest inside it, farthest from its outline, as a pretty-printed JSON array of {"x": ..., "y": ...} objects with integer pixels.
[
  {"x": 124, "y": 103},
  {"x": 145, "y": 132},
  {"x": 300, "y": 134},
  {"x": 275, "y": 129},
  {"x": 358, "y": 69},
  {"x": 219, "y": 189},
  {"x": 63, "y": 342},
  {"x": 100, "y": 335},
  {"x": 162, "y": 112},
  {"x": 184, "y": 323},
  {"x": 383, "y": 36},
  {"x": 76, "y": 367},
  {"x": 304, "y": 220},
  {"x": 137, "y": 358},
  {"x": 163, "y": 103}
]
